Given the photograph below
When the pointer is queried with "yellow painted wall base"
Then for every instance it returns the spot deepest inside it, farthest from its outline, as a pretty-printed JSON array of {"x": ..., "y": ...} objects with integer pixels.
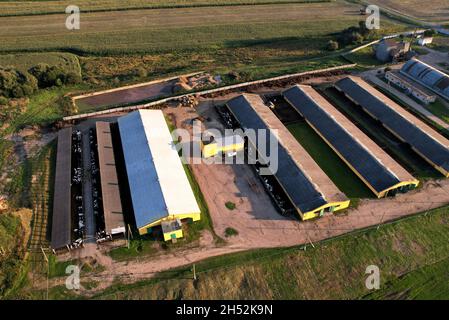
[
  {"x": 173, "y": 235},
  {"x": 334, "y": 206},
  {"x": 196, "y": 216},
  {"x": 212, "y": 149}
]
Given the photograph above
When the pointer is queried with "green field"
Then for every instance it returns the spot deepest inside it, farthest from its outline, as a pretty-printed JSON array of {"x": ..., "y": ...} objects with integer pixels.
[
  {"x": 9, "y": 8},
  {"x": 365, "y": 58},
  {"x": 412, "y": 256},
  {"x": 343, "y": 177},
  {"x": 439, "y": 109}
]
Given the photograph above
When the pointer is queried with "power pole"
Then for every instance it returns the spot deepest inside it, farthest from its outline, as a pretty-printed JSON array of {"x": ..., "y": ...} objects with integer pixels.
[
  {"x": 129, "y": 235},
  {"x": 194, "y": 272}
]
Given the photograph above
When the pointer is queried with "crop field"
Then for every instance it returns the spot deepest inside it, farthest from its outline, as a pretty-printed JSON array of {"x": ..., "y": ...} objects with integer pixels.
[
  {"x": 44, "y": 7},
  {"x": 162, "y": 31},
  {"x": 433, "y": 10}
]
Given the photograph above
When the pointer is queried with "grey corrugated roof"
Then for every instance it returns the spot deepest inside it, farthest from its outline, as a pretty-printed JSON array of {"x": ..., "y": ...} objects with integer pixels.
[
  {"x": 427, "y": 75},
  {"x": 298, "y": 186},
  {"x": 429, "y": 143},
  {"x": 369, "y": 160},
  {"x": 110, "y": 192},
  {"x": 146, "y": 194},
  {"x": 61, "y": 222}
]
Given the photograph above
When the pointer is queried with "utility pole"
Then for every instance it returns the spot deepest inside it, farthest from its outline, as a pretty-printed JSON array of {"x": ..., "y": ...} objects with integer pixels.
[
  {"x": 48, "y": 267},
  {"x": 129, "y": 235},
  {"x": 194, "y": 272}
]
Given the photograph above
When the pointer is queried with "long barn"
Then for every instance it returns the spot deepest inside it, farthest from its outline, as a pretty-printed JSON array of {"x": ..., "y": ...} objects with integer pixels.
[
  {"x": 383, "y": 175},
  {"x": 61, "y": 234},
  {"x": 161, "y": 194},
  {"x": 425, "y": 141},
  {"x": 307, "y": 187}
]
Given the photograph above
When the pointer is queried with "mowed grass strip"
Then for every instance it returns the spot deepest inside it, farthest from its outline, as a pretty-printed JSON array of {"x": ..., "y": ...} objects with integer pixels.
[
  {"x": 177, "y": 29},
  {"x": 334, "y": 269},
  {"x": 343, "y": 177},
  {"x": 14, "y": 8}
]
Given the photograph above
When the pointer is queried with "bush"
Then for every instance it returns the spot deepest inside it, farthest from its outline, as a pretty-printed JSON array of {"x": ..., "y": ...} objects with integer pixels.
[
  {"x": 140, "y": 72},
  {"x": 3, "y": 101},
  {"x": 355, "y": 35},
  {"x": 49, "y": 76},
  {"x": 15, "y": 84},
  {"x": 72, "y": 78},
  {"x": 429, "y": 33},
  {"x": 67, "y": 106},
  {"x": 229, "y": 232},
  {"x": 332, "y": 45},
  {"x": 230, "y": 205}
]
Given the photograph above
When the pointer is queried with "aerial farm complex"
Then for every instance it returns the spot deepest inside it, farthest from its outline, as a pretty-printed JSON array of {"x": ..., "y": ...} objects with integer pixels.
[
  {"x": 204, "y": 149},
  {"x": 139, "y": 181}
]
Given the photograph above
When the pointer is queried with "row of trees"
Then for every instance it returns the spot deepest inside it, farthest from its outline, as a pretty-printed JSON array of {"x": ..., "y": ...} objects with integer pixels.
[{"x": 18, "y": 84}]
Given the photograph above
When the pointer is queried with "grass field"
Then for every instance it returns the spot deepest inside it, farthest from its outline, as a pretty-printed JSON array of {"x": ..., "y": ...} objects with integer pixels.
[
  {"x": 24, "y": 61},
  {"x": 328, "y": 160},
  {"x": 439, "y": 109},
  {"x": 434, "y": 10},
  {"x": 365, "y": 58},
  {"x": 8, "y": 8},
  {"x": 412, "y": 257},
  {"x": 441, "y": 44}
]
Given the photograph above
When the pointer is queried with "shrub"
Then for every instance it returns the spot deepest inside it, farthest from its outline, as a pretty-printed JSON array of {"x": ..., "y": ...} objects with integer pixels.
[
  {"x": 15, "y": 84},
  {"x": 72, "y": 78},
  {"x": 3, "y": 101},
  {"x": 140, "y": 72},
  {"x": 229, "y": 232},
  {"x": 49, "y": 76},
  {"x": 230, "y": 205},
  {"x": 429, "y": 33},
  {"x": 332, "y": 45}
]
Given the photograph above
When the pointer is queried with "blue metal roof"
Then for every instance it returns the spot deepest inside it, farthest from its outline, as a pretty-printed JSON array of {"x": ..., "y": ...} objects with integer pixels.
[{"x": 146, "y": 194}]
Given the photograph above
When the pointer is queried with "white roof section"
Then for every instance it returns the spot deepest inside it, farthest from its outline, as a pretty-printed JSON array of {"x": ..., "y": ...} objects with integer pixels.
[{"x": 158, "y": 183}]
